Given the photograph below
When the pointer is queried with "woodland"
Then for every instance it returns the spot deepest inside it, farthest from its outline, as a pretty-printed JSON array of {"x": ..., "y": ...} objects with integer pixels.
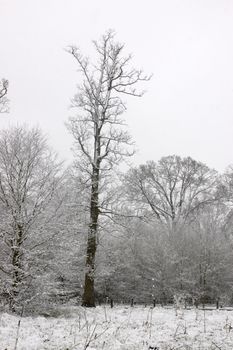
[{"x": 104, "y": 230}]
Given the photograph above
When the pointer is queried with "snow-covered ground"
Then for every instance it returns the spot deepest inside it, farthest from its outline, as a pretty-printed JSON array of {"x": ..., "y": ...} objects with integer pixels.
[{"x": 121, "y": 328}]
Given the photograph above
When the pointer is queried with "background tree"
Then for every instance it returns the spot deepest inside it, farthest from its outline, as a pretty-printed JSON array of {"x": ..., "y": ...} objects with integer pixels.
[
  {"x": 100, "y": 139},
  {"x": 4, "y": 102},
  {"x": 29, "y": 177},
  {"x": 168, "y": 194},
  {"x": 172, "y": 189},
  {"x": 211, "y": 253},
  {"x": 225, "y": 191}
]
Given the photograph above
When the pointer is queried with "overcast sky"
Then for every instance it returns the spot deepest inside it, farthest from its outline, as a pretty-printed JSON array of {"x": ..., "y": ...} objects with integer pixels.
[{"x": 187, "y": 45}]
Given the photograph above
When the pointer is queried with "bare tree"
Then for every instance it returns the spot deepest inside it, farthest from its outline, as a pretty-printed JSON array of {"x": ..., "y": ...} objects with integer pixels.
[
  {"x": 100, "y": 139},
  {"x": 225, "y": 192},
  {"x": 172, "y": 189},
  {"x": 29, "y": 176},
  {"x": 4, "y": 102}
]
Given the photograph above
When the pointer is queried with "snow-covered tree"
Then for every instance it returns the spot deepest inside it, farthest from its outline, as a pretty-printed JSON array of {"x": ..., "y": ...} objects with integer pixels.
[
  {"x": 172, "y": 189},
  {"x": 100, "y": 138},
  {"x": 4, "y": 102},
  {"x": 29, "y": 177}
]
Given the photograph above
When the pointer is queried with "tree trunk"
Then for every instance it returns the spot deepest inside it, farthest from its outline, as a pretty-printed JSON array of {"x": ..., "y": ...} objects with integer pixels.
[
  {"x": 17, "y": 269},
  {"x": 88, "y": 298}
]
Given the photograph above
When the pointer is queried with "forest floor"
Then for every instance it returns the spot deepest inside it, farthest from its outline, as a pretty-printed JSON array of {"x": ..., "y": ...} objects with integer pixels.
[{"x": 120, "y": 328}]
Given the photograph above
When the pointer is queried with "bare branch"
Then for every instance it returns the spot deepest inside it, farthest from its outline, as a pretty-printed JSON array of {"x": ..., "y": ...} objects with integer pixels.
[{"x": 4, "y": 102}]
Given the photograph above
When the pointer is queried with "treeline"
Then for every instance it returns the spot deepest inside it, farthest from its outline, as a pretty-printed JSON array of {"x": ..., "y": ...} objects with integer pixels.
[
  {"x": 165, "y": 229},
  {"x": 180, "y": 240}
]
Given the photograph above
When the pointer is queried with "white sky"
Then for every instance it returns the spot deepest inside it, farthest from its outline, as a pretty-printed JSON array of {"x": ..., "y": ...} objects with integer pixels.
[{"x": 187, "y": 45}]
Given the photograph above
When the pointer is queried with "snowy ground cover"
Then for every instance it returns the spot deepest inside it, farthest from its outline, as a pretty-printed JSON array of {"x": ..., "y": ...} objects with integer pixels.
[{"x": 120, "y": 328}]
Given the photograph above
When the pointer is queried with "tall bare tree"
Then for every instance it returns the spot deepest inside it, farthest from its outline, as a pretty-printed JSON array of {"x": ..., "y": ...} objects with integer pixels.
[
  {"x": 4, "y": 102},
  {"x": 98, "y": 129}
]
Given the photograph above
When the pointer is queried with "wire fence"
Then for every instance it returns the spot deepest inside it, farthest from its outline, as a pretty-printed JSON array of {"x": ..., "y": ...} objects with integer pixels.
[{"x": 210, "y": 304}]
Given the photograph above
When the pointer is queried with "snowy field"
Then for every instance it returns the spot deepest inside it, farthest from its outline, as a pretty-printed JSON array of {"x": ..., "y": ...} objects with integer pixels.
[{"x": 120, "y": 328}]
